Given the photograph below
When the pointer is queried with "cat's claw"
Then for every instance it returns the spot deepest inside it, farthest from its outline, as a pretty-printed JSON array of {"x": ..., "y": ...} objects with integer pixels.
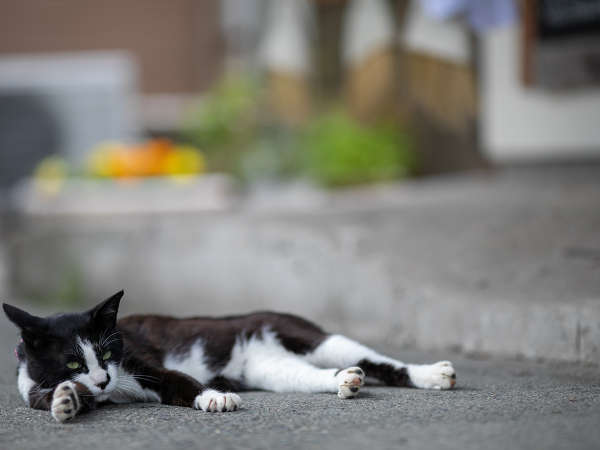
[
  {"x": 440, "y": 375},
  {"x": 65, "y": 402},
  {"x": 350, "y": 381},
  {"x": 215, "y": 401}
]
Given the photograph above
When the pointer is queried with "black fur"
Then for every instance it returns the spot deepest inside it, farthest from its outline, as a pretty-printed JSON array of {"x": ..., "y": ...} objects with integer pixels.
[{"x": 386, "y": 373}]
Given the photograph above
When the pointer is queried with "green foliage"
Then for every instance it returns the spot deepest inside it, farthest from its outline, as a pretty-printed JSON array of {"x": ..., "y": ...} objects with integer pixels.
[
  {"x": 339, "y": 151},
  {"x": 233, "y": 131},
  {"x": 224, "y": 123}
]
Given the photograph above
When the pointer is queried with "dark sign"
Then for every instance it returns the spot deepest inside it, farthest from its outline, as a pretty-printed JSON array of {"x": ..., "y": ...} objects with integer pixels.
[{"x": 560, "y": 18}]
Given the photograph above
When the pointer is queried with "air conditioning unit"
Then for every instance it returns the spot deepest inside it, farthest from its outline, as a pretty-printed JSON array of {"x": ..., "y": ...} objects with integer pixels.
[{"x": 63, "y": 104}]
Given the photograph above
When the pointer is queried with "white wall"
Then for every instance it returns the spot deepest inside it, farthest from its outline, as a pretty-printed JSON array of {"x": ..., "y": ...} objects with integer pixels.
[{"x": 527, "y": 124}]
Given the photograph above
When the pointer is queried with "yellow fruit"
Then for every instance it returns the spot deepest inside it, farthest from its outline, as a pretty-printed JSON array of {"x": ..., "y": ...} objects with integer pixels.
[
  {"x": 155, "y": 157},
  {"x": 50, "y": 174},
  {"x": 184, "y": 160},
  {"x": 104, "y": 160}
]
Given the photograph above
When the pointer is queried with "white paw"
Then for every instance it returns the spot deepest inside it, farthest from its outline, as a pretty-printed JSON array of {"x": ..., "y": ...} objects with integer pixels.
[
  {"x": 350, "y": 381},
  {"x": 440, "y": 375},
  {"x": 215, "y": 401},
  {"x": 65, "y": 402}
]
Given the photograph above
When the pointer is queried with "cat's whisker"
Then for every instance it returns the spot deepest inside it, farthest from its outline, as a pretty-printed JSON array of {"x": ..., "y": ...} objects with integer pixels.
[
  {"x": 110, "y": 338},
  {"x": 146, "y": 378},
  {"x": 127, "y": 387},
  {"x": 126, "y": 382},
  {"x": 126, "y": 390},
  {"x": 105, "y": 341},
  {"x": 132, "y": 389}
]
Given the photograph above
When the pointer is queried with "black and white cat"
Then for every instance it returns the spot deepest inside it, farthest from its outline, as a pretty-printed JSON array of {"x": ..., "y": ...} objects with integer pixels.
[{"x": 69, "y": 363}]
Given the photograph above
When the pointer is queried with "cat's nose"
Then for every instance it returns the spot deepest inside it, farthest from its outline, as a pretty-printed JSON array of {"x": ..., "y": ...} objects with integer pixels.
[{"x": 104, "y": 383}]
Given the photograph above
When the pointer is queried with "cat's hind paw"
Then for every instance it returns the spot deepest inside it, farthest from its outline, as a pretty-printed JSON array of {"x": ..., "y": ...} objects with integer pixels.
[
  {"x": 215, "y": 401},
  {"x": 350, "y": 381},
  {"x": 440, "y": 375},
  {"x": 65, "y": 402}
]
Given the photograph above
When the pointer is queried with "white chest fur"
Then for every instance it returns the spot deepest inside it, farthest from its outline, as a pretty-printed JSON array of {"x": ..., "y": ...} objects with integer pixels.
[{"x": 24, "y": 382}]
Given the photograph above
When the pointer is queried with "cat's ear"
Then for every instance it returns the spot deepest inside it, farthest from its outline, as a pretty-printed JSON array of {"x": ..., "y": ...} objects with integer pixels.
[
  {"x": 105, "y": 313},
  {"x": 25, "y": 321}
]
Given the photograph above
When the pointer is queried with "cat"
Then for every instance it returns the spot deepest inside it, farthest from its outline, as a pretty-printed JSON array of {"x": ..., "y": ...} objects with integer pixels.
[{"x": 70, "y": 363}]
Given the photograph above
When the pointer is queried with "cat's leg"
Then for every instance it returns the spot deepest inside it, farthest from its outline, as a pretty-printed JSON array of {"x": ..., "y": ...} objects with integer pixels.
[
  {"x": 224, "y": 384},
  {"x": 64, "y": 402},
  {"x": 176, "y": 388},
  {"x": 179, "y": 388},
  {"x": 70, "y": 399},
  {"x": 337, "y": 350},
  {"x": 288, "y": 372}
]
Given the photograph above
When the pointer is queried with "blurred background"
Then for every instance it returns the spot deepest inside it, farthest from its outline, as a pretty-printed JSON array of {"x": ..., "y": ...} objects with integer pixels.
[{"x": 422, "y": 173}]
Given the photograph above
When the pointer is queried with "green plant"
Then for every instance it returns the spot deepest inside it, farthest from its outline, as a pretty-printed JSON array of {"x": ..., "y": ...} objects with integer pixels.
[
  {"x": 231, "y": 128},
  {"x": 224, "y": 123},
  {"x": 339, "y": 151}
]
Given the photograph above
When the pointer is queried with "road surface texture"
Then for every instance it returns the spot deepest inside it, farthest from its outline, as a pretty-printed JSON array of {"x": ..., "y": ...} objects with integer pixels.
[{"x": 498, "y": 404}]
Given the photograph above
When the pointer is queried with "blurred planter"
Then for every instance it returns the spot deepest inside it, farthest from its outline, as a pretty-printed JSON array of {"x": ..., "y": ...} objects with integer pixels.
[
  {"x": 371, "y": 85},
  {"x": 84, "y": 196},
  {"x": 289, "y": 97},
  {"x": 440, "y": 100}
]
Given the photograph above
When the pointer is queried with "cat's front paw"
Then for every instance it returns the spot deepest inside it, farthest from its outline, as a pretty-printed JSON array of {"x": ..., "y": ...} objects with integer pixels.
[
  {"x": 215, "y": 401},
  {"x": 350, "y": 381},
  {"x": 65, "y": 402},
  {"x": 440, "y": 375}
]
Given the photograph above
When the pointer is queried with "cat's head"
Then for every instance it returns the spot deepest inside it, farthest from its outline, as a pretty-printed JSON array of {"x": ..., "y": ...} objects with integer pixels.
[{"x": 83, "y": 347}]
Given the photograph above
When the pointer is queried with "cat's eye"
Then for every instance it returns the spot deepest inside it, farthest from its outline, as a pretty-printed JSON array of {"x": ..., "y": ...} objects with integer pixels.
[
  {"x": 106, "y": 355},
  {"x": 73, "y": 365}
]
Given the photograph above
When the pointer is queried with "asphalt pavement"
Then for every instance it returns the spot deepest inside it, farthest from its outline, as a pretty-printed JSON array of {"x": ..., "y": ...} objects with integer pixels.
[{"x": 498, "y": 404}]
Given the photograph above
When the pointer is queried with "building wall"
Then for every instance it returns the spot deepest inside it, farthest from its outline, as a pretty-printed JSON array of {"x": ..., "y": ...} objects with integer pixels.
[
  {"x": 520, "y": 123},
  {"x": 177, "y": 43}
]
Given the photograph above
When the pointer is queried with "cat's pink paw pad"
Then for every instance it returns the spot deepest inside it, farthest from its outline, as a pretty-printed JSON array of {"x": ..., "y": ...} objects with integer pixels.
[
  {"x": 350, "y": 381},
  {"x": 215, "y": 401},
  {"x": 65, "y": 402}
]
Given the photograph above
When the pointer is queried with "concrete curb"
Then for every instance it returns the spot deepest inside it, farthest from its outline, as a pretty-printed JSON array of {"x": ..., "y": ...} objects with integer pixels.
[{"x": 479, "y": 265}]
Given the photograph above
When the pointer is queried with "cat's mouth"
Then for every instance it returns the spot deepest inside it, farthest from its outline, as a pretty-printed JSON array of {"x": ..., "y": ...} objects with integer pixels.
[
  {"x": 103, "y": 393},
  {"x": 102, "y": 390}
]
